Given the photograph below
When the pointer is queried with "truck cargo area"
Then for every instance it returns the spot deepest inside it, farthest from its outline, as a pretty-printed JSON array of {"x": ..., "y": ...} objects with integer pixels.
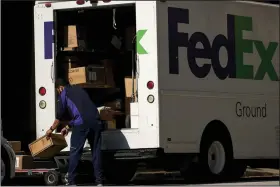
[{"x": 95, "y": 49}]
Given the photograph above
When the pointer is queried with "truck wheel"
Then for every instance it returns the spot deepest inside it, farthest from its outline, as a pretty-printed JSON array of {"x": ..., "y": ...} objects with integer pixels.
[
  {"x": 216, "y": 156},
  {"x": 120, "y": 172},
  {"x": 51, "y": 178}
]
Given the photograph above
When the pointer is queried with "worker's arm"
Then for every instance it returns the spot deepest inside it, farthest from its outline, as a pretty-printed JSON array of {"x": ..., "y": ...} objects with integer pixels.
[{"x": 60, "y": 110}]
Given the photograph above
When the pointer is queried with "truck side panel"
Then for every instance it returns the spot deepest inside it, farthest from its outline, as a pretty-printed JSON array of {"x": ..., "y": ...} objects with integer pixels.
[{"x": 219, "y": 61}]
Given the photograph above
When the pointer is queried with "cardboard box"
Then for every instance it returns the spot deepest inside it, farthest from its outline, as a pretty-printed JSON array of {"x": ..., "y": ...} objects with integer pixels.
[
  {"x": 77, "y": 75},
  {"x": 128, "y": 93},
  {"x": 20, "y": 153},
  {"x": 90, "y": 74},
  {"x": 70, "y": 37},
  {"x": 115, "y": 105},
  {"x": 44, "y": 148},
  {"x": 109, "y": 72},
  {"x": 24, "y": 162},
  {"x": 65, "y": 66},
  {"x": 107, "y": 114},
  {"x": 111, "y": 124},
  {"x": 82, "y": 37},
  {"x": 16, "y": 145},
  {"x": 75, "y": 37},
  {"x": 128, "y": 86}
]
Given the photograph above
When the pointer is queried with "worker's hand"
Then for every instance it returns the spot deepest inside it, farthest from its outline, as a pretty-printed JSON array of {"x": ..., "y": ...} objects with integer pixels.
[
  {"x": 49, "y": 133},
  {"x": 64, "y": 131}
]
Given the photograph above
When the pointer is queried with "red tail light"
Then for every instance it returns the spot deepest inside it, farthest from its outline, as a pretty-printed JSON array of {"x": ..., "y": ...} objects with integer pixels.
[
  {"x": 80, "y": 2},
  {"x": 48, "y": 4},
  {"x": 42, "y": 91},
  {"x": 150, "y": 85}
]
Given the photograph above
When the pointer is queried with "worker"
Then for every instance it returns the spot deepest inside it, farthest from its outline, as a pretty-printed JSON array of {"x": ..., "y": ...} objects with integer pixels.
[{"x": 85, "y": 124}]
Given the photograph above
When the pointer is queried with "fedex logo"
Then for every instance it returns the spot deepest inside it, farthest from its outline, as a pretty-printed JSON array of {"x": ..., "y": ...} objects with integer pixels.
[
  {"x": 48, "y": 40},
  {"x": 234, "y": 43}
]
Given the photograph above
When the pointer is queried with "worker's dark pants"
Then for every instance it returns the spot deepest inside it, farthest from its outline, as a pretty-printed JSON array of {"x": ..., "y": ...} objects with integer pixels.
[{"x": 78, "y": 138}]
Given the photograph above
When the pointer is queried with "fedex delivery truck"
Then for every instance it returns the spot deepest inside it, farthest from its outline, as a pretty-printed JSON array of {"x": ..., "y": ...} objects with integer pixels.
[{"x": 205, "y": 89}]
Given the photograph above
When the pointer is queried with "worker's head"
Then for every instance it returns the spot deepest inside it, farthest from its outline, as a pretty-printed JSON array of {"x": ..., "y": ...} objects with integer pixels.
[{"x": 59, "y": 85}]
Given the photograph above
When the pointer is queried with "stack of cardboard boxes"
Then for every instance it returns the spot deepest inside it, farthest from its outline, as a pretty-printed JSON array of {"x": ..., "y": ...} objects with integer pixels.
[
  {"x": 98, "y": 76},
  {"x": 22, "y": 161},
  {"x": 92, "y": 75},
  {"x": 42, "y": 147}
]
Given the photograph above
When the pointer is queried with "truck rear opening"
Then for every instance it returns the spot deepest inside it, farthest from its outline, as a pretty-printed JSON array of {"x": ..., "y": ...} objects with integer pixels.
[{"x": 95, "y": 49}]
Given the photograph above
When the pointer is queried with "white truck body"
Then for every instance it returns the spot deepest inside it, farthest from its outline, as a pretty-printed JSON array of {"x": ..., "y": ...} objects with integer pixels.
[{"x": 185, "y": 104}]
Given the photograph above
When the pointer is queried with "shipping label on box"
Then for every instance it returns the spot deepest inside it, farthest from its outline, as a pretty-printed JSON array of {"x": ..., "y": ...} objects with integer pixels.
[
  {"x": 24, "y": 162},
  {"x": 90, "y": 74},
  {"x": 77, "y": 75},
  {"x": 17, "y": 162}
]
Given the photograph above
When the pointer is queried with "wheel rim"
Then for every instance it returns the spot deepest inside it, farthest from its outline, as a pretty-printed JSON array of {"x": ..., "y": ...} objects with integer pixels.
[
  {"x": 65, "y": 178},
  {"x": 51, "y": 178},
  {"x": 3, "y": 170},
  {"x": 216, "y": 157}
]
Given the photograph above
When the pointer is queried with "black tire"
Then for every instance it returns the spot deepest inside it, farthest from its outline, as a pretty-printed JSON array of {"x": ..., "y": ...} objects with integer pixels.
[
  {"x": 237, "y": 170},
  {"x": 119, "y": 172},
  {"x": 6, "y": 167},
  {"x": 224, "y": 142},
  {"x": 51, "y": 178}
]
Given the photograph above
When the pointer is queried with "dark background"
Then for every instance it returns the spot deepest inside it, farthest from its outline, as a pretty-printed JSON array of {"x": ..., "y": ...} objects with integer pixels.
[{"x": 17, "y": 71}]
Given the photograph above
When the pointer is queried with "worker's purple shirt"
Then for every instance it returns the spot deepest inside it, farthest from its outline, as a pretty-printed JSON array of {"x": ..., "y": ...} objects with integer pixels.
[{"x": 80, "y": 107}]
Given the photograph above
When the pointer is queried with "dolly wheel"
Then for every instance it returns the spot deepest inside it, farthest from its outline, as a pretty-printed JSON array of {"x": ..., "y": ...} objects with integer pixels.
[
  {"x": 64, "y": 178},
  {"x": 51, "y": 178}
]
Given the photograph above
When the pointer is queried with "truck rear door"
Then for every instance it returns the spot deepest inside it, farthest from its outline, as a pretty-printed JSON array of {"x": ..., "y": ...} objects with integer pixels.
[{"x": 44, "y": 67}]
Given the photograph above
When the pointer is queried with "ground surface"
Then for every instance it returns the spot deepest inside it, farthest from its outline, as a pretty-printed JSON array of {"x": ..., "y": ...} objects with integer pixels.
[{"x": 252, "y": 177}]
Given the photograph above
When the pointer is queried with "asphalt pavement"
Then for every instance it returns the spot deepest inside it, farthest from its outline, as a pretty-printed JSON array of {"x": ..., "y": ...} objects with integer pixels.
[
  {"x": 251, "y": 178},
  {"x": 258, "y": 183}
]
